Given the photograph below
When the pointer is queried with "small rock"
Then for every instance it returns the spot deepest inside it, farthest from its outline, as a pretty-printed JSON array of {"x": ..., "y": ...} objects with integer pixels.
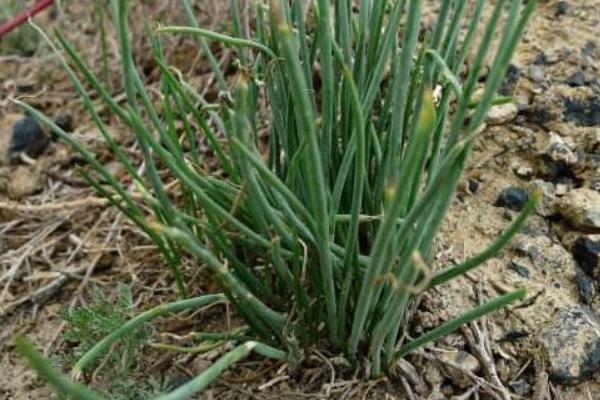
[
  {"x": 65, "y": 122},
  {"x": 586, "y": 287},
  {"x": 545, "y": 255},
  {"x": 562, "y": 7},
  {"x": 536, "y": 73},
  {"x": 583, "y": 112},
  {"x": 572, "y": 345},
  {"x": 581, "y": 208},
  {"x": 536, "y": 226},
  {"x": 463, "y": 359},
  {"x": 595, "y": 185},
  {"x": 547, "y": 204},
  {"x": 513, "y": 74},
  {"x": 28, "y": 137},
  {"x": 576, "y": 80},
  {"x": 513, "y": 198},
  {"x": 519, "y": 269},
  {"x": 473, "y": 185},
  {"x": 586, "y": 251},
  {"x": 502, "y": 113},
  {"x": 559, "y": 160}
]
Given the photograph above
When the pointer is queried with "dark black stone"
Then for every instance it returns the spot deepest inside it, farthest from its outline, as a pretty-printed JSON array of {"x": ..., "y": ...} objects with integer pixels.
[
  {"x": 562, "y": 7},
  {"x": 28, "y": 137},
  {"x": 64, "y": 122},
  {"x": 577, "y": 79},
  {"x": 474, "y": 185},
  {"x": 513, "y": 74},
  {"x": 587, "y": 254},
  {"x": 582, "y": 112},
  {"x": 513, "y": 198},
  {"x": 587, "y": 288},
  {"x": 540, "y": 59},
  {"x": 514, "y": 335},
  {"x": 519, "y": 269}
]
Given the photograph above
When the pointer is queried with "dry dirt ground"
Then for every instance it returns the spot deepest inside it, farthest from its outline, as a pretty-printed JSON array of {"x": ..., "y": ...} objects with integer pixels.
[{"x": 58, "y": 239}]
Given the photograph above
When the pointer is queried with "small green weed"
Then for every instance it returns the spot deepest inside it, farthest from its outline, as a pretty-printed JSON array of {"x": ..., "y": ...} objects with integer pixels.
[{"x": 117, "y": 369}]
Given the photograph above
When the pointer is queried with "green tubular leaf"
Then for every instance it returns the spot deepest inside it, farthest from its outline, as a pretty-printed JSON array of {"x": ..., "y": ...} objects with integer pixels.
[
  {"x": 232, "y": 41},
  {"x": 446, "y": 72},
  {"x": 451, "y": 326},
  {"x": 313, "y": 166},
  {"x": 60, "y": 383},
  {"x": 471, "y": 81},
  {"x": 214, "y": 64},
  {"x": 102, "y": 346}
]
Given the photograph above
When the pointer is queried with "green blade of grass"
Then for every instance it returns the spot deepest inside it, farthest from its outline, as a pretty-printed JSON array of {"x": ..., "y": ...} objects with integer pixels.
[{"x": 60, "y": 383}]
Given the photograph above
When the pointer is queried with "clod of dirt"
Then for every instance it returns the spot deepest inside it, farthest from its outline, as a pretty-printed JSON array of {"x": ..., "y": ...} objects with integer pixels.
[
  {"x": 581, "y": 208},
  {"x": 465, "y": 360},
  {"x": 28, "y": 137},
  {"x": 20, "y": 181},
  {"x": 572, "y": 345},
  {"x": 502, "y": 114},
  {"x": 513, "y": 198},
  {"x": 586, "y": 251}
]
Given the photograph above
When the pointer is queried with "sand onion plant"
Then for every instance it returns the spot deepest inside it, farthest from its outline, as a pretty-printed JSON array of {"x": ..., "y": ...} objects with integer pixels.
[{"x": 340, "y": 142}]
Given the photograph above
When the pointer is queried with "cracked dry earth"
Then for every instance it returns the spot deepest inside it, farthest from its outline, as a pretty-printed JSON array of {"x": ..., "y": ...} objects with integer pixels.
[{"x": 548, "y": 347}]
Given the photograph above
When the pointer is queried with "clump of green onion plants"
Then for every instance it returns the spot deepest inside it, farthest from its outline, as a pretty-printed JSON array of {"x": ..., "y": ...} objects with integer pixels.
[{"x": 327, "y": 228}]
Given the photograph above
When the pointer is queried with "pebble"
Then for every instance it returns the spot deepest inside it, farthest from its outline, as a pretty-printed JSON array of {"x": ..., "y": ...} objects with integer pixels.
[
  {"x": 502, "y": 114},
  {"x": 545, "y": 255},
  {"x": 572, "y": 345},
  {"x": 513, "y": 74},
  {"x": 559, "y": 161},
  {"x": 583, "y": 112},
  {"x": 521, "y": 270},
  {"x": 27, "y": 137},
  {"x": 473, "y": 185},
  {"x": 536, "y": 73},
  {"x": 581, "y": 208},
  {"x": 562, "y": 7},
  {"x": 513, "y": 198},
  {"x": 586, "y": 287},
  {"x": 576, "y": 80},
  {"x": 586, "y": 251},
  {"x": 65, "y": 122}
]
